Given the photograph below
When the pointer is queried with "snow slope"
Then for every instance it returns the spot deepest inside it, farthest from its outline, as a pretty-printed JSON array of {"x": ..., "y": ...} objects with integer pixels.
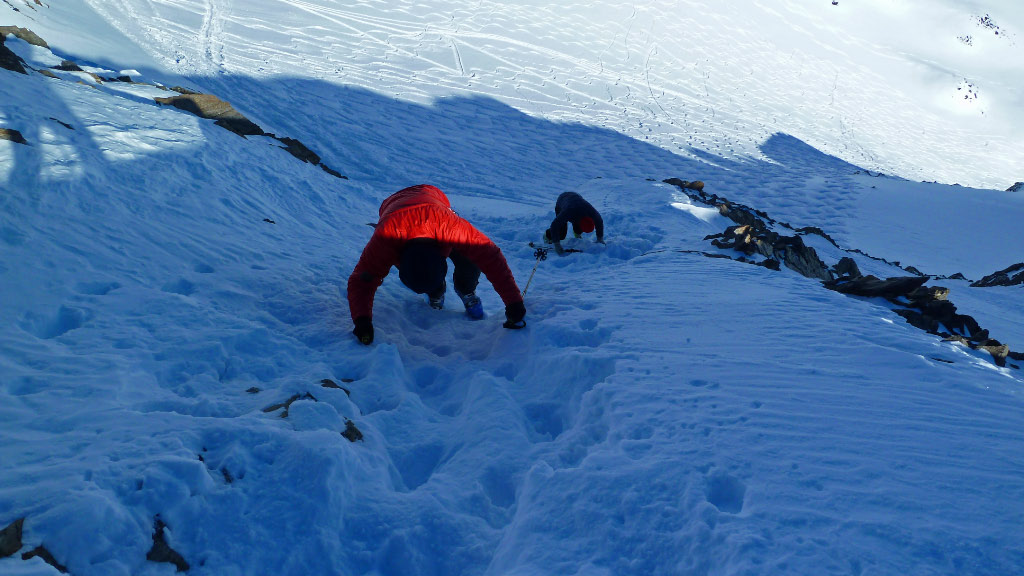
[{"x": 167, "y": 285}]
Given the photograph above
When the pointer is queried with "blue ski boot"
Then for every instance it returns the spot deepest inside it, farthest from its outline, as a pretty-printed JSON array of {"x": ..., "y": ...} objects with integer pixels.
[{"x": 474, "y": 309}]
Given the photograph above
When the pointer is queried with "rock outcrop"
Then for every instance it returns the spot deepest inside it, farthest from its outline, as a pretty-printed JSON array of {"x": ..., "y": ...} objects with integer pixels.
[
  {"x": 1010, "y": 276},
  {"x": 927, "y": 308}
]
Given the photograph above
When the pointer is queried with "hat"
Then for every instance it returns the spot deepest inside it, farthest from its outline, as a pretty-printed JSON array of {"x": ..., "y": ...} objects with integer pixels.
[
  {"x": 422, "y": 267},
  {"x": 586, "y": 224}
]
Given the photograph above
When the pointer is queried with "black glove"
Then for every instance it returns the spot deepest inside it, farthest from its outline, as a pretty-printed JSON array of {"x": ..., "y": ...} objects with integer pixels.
[
  {"x": 364, "y": 330},
  {"x": 514, "y": 314}
]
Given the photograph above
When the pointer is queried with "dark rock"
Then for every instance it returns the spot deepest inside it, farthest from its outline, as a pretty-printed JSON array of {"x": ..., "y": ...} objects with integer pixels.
[
  {"x": 181, "y": 90},
  {"x": 695, "y": 185},
  {"x": 299, "y": 150},
  {"x": 740, "y": 238},
  {"x": 818, "y": 232},
  {"x": 919, "y": 320},
  {"x": 64, "y": 124},
  {"x": 800, "y": 257},
  {"x": 926, "y": 294},
  {"x": 873, "y": 287},
  {"x": 332, "y": 172},
  {"x": 847, "y": 267},
  {"x": 998, "y": 351},
  {"x": 351, "y": 433},
  {"x": 789, "y": 250},
  {"x": 287, "y": 403},
  {"x": 739, "y": 216},
  {"x": 328, "y": 383},
  {"x": 253, "y": 390},
  {"x": 12, "y": 135},
  {"x": 213, "y": 108},
  {"x": 1017, "y": 187},
  {"x": 46, "y": 556},
  {"x": 9, "y": 60},
  {"x": 68, "y": 66},
  {"x": 162, "y": 552},
  {"x": 241, "y": 126},
  {"x": 10, "y": 538},
  {"x": 1008, "y": 277}
]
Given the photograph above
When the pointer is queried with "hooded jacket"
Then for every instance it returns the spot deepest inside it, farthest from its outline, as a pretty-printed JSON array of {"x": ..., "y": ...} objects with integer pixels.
[
  {"x": 423, "y": 211},
  {"x": 570, "y": 207}
]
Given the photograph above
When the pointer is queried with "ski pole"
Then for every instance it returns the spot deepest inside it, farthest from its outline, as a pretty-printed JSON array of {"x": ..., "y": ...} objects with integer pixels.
[{"x": 541, "y": 254}]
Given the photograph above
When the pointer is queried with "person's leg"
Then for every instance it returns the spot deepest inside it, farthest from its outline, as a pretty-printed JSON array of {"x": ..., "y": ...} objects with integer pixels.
[
  {"x": 423, "y": 269},
  {"x": 466, "y": 276}
]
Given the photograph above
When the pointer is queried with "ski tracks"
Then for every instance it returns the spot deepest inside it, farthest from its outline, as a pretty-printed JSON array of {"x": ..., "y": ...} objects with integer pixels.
[{"x": 211, "y": 33}]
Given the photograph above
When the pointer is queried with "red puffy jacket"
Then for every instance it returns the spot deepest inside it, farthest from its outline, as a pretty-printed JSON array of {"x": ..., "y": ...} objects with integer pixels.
[{"x": 423, "y": 211}]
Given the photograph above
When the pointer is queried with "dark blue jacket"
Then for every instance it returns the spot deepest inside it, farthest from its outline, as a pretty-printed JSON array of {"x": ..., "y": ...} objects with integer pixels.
[{"x": 569, "y": 209}]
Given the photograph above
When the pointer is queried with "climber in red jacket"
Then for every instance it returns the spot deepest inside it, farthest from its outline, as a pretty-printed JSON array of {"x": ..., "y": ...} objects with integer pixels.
[{"x": 418, "y": 232}]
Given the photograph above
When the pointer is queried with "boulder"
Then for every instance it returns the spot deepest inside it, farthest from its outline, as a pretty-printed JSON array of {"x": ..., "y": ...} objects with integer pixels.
[
  {"x": 23, "y": 33},
  {"x": 12, "y": 135},
  {"x": 10, "y": 538},
  {"x": 213, "y": 108},
  {"x": 847, "y": 267},
  {"x": 9, "y": 60}
]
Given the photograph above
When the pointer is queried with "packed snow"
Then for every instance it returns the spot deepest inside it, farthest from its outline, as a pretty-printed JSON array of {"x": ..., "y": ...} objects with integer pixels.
[{"x": 176, "y": 361}]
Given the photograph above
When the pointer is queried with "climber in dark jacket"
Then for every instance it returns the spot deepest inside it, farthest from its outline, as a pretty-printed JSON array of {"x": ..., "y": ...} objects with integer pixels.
[{"x": 571, "y": 208}]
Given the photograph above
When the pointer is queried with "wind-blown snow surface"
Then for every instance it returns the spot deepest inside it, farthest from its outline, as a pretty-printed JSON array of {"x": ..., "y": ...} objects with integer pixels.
[{"x": 663, "y": 412}]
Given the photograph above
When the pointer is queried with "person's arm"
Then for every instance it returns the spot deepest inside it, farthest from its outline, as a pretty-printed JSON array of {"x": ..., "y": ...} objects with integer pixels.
[
  {"x": 559, "y": 228},
  {"x": 480, "y": 250},
  {"x": 374, "y": 265},
  {"x": 599, "y": 226}
]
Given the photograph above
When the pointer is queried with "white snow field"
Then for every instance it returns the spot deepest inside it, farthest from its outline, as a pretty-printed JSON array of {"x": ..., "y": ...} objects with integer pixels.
[{"x": 167, "y": 286}]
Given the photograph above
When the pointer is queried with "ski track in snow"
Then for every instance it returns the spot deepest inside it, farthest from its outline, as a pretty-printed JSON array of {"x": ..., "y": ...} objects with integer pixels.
[
  {"x": 664, "y": 83},
  {"x": 662, "y": 413}
]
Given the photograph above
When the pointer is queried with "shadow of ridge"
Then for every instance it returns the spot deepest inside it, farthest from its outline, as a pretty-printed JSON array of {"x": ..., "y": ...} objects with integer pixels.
[
  {"x": 456, "y": 142},
  {"x": 794, "y": 153}
]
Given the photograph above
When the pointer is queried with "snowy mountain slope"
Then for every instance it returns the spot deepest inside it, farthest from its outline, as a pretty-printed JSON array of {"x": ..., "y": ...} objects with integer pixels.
[
  {"x": 891, "y": 87},
  {"x": 664, "y": 412}
]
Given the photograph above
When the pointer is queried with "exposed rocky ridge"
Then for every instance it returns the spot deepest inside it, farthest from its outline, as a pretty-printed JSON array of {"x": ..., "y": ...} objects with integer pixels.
[
  {"x": 927, "y": 308},
  {"x": 224, "y": 115},
  {"x": 1017, "y": 187},
  {"x": 207, "y": 106},
  {"x": 746, "y": 215},
  {"x": 1010, "y": 276},
  {"x": 27, "y": 3}
]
